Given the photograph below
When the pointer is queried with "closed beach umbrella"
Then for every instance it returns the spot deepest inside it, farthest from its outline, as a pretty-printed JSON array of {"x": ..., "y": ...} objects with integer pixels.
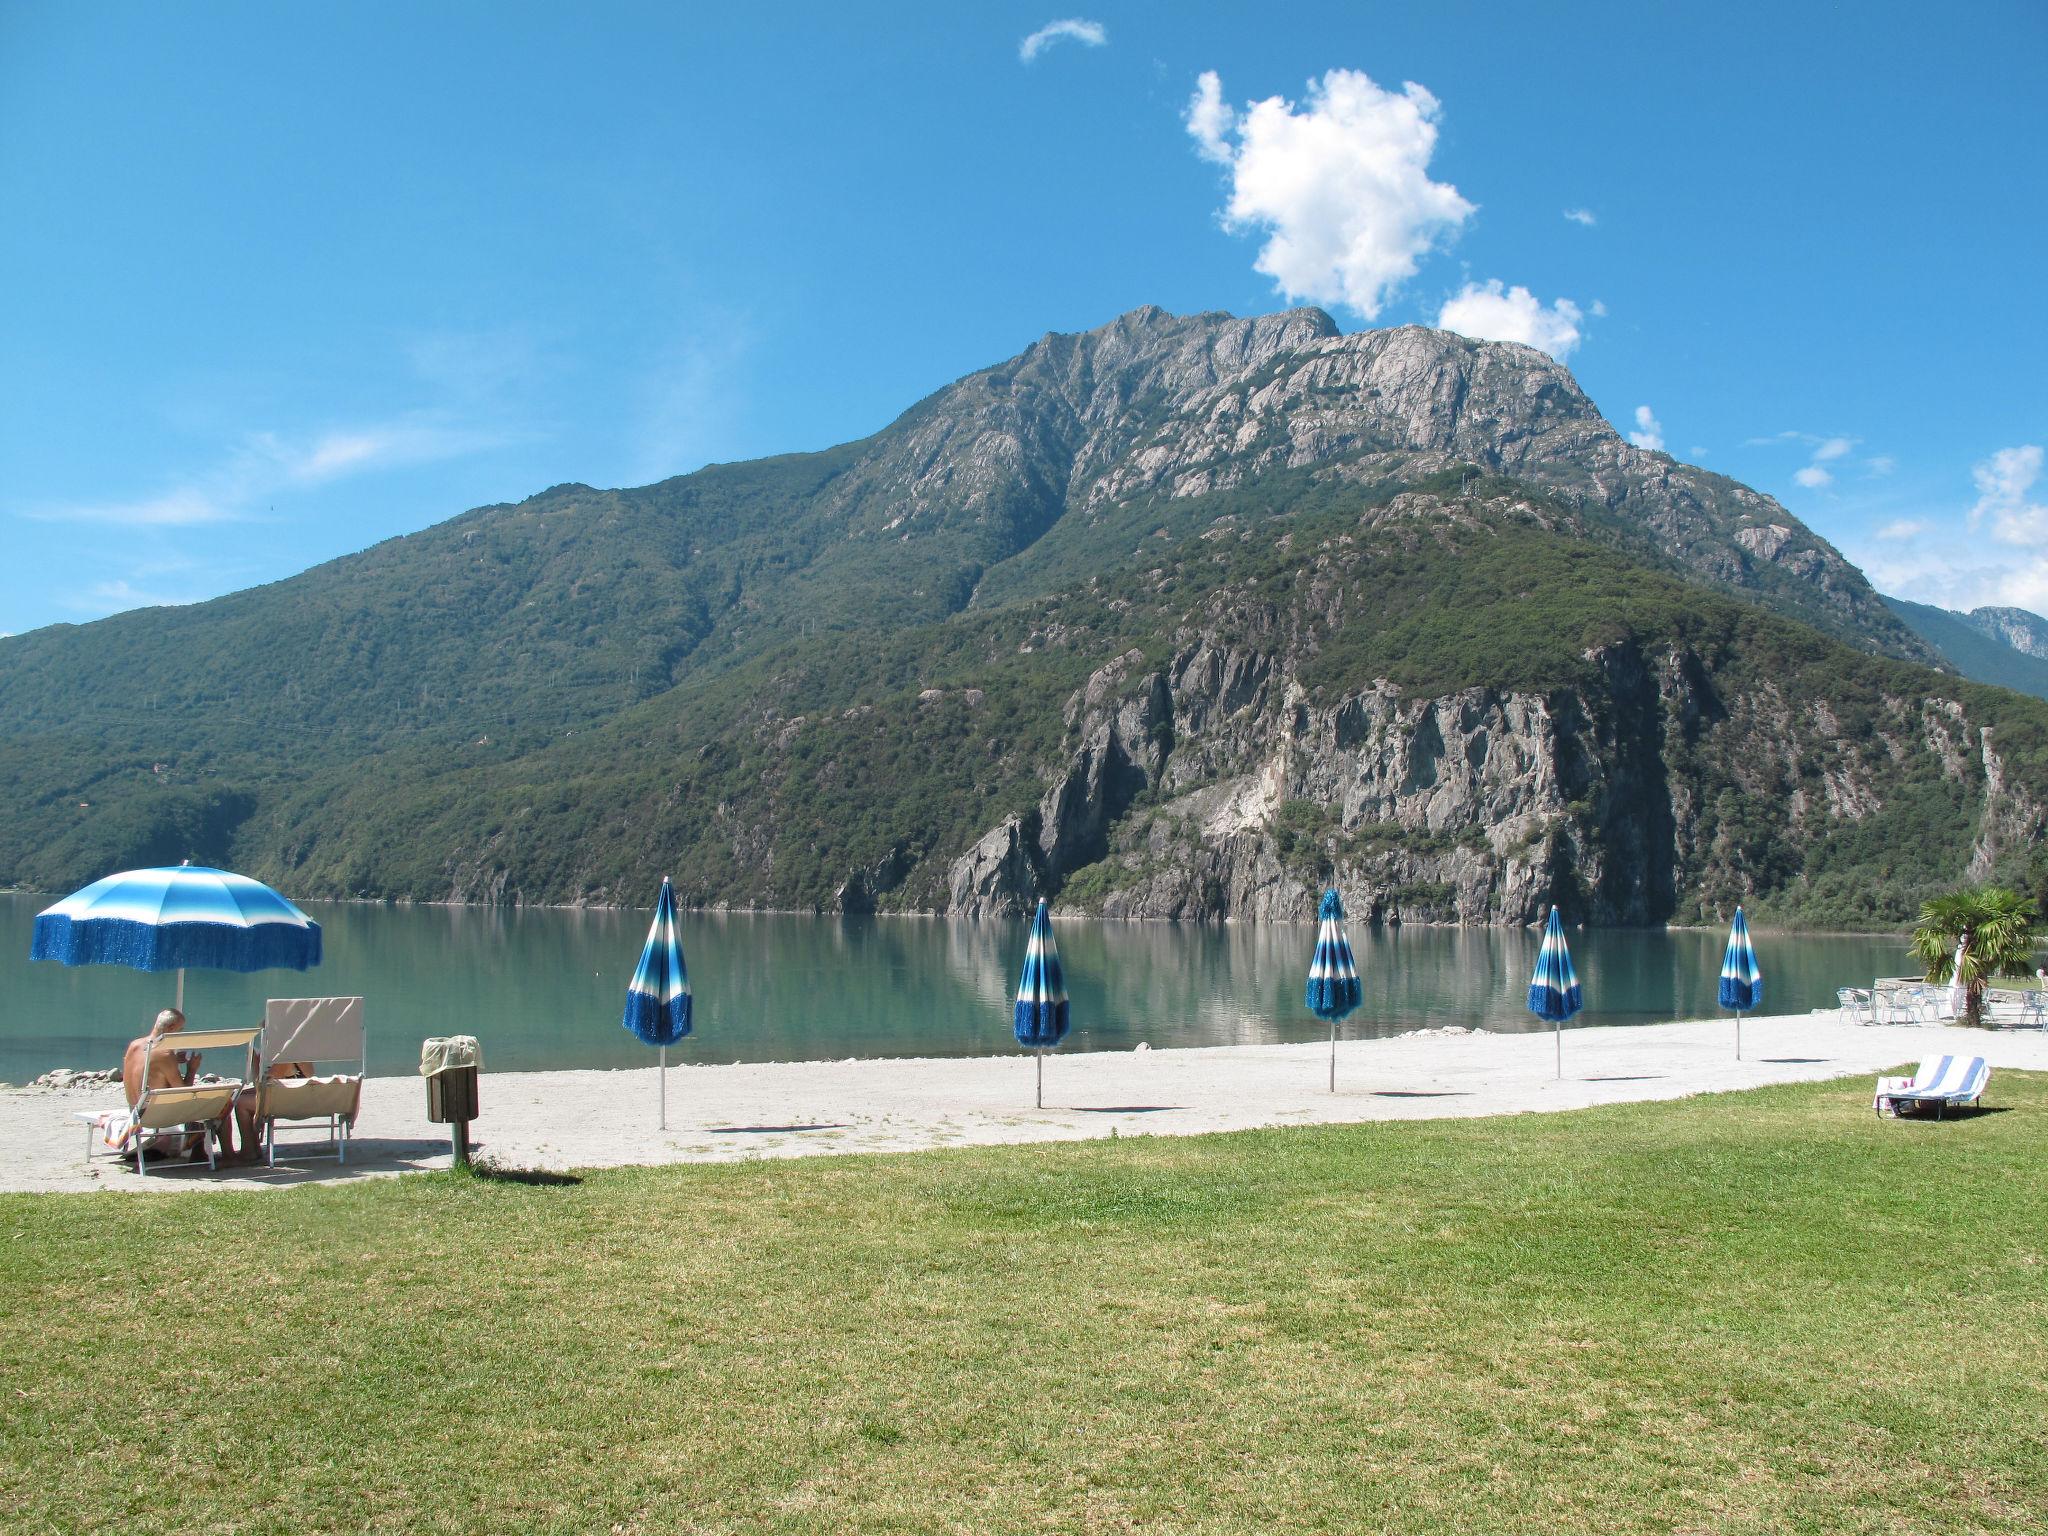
[
  {"x": 1333, "y": 986},
  {"x": 658, "y": 996},
  {"x": 1554, "y": 989},
  {"x": 1958, "y": 994},
  {"x": 1041, "y": 1014},
  {"x": 177, "y": 919},
  {"x": 1742, "y": 984}
]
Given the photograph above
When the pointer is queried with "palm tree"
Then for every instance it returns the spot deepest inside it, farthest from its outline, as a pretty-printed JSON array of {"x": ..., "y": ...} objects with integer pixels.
[{"x": 1995, "y": 927}]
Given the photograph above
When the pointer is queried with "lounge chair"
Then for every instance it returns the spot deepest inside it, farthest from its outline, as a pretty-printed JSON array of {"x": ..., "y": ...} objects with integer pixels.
[
  {"x": 306, "y": 1033},
  {"x": 184, "y": 1111},
  {"x": 1942, "y": 1081}
]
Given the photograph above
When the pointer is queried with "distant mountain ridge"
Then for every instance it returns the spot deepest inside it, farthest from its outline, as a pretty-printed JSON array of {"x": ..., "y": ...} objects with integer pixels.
[
  {"x": 2007, "y": 647},
  {"x": 1068, "y": 626}
]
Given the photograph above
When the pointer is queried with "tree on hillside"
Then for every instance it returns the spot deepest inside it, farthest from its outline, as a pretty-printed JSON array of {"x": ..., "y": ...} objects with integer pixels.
[{"x": 1995, "y": 927}]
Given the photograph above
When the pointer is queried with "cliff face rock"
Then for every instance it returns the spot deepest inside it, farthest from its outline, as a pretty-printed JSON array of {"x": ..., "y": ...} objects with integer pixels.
[
  {"x": 2025, "y": 632},
  {"x": 1625, "y": 801}
]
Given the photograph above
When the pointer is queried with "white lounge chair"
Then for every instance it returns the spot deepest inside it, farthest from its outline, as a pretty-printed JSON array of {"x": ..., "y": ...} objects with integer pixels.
[
  {"x": 181, "y": 1111},
  {"x": 1945, "y": 1082},
  {"x": 311, "y": 1032}
]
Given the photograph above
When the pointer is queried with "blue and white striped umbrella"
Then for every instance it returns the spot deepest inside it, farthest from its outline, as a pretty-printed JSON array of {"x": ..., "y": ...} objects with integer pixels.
[
  {"x": 178, "y": 919},
  {"x": 658, "y": 997},
  {"x": 1742, "y": 982},
  {"x": 1041, "y": 1013},
  {"x": 1554, "y": 990},
  {"x": 1333, "y": 986}
]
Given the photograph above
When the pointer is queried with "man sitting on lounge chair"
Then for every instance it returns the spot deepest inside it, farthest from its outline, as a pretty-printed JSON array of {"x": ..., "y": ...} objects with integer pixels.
[{"x": 167, "y": 1069}]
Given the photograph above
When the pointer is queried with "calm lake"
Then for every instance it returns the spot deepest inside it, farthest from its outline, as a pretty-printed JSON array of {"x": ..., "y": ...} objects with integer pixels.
[{"x": 544, "y": 989}]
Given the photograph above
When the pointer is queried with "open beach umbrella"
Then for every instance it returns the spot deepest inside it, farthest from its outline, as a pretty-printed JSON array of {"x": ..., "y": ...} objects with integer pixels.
[
  {"x": 1041, "y": 1014},
  {"x": 1333, "y": 986},
  {"x": 1554, "y": 989},
  {"x": 177, "y": 919},
  {"x": 1742, "y": 983},
  {"x": 658, "y": 996}
]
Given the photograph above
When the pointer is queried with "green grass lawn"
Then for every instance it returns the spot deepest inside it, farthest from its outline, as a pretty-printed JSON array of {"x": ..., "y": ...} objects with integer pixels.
[{"x": 1759, "y": 1312}]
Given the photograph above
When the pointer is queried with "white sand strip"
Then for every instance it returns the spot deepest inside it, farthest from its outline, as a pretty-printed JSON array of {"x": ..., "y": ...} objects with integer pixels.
[{"x": 562, "y": 1120}]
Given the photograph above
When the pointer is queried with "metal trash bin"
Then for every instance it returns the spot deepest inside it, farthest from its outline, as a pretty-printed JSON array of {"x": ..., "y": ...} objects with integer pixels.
[{"x": 451, "y": 1065}]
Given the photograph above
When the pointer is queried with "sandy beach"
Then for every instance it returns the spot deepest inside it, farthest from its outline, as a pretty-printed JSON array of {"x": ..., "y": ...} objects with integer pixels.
[{"x": 562, "y": 1120}]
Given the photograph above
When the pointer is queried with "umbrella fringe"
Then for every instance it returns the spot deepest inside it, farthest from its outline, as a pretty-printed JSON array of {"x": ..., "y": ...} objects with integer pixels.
[{"x": 195, "y": 946}]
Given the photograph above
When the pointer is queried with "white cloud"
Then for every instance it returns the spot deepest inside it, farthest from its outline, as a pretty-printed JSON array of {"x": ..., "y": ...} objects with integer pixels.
[
  {"x": 1815, "y": 475},
  {"x": 1649, "y": 432},
  {"x": 1937, "y": 561},
  {"x": 184, "y": 507},
  {"x": 105, "y": 597},
  {"x": 1090, "y": 34},
  {"x": 1489, "y": 312},
  {"x": 2003, "y": 484},
  {"x": 1599, "y": 310},
  {"x": 263, "y": 464},
  {"x": 1340, "y": 184},
  {"x": 1581, "y": 216}
]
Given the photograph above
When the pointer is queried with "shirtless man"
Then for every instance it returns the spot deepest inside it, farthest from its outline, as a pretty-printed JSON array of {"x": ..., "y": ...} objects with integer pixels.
[{"x": 167, "y": 1069}]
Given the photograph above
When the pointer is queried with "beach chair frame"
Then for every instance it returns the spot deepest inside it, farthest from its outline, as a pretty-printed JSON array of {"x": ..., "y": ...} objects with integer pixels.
[
  {"x": 310, "y": 1029},
  {"x": 156, "y": 1112}
]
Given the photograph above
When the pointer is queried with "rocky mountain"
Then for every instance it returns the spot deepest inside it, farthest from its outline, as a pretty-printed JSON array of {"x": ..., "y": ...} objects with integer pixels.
[
  {"x": 2004, "y": 646},
  {"x": 2025, "y": 632},
  {"x": 1169, "y": 618}
]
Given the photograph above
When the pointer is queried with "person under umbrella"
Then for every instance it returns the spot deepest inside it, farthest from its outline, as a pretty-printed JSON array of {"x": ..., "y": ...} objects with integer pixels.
[
  {"x": 1554, "y": 989},
  {"x": 658, "y": 997},
  {"x": 1334, "y": 990},
  {"x": 1041, "y": 1012},
  {"x": 1742, "y": 983},
  {"x": 177, "y": 918}
]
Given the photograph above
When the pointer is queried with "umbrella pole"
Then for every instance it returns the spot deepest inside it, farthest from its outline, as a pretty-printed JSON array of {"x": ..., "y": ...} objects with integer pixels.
[
  {"x": 1333, "y": 1055},
  {"x": 664, "y": 1087},
  {"x": 1557, "y": 1030},
  {"x": 1040, "y": 1054},
  {"x": 180, "y": 1004},
  {"x": 1738, "y": 1034}
]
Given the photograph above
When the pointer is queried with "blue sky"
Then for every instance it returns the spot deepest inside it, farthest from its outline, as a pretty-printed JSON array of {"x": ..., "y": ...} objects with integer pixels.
[{"x": 277, "y": 281}]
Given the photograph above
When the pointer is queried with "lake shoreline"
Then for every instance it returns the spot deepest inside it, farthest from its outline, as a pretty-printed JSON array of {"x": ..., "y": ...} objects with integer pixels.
[
  {"x": 582, "y": 1119},
  {"x": 1902, "y": 933}
]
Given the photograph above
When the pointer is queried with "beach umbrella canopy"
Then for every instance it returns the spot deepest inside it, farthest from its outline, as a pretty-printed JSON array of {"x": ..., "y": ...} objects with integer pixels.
[
  {"x": 1958, "y": 994},
  {"x": 177, "y": 919},
  {"x": 1742, "y": 983},
  {"x": 1041, "y": 1013},
  {"x": 658, "y": 997},
  {"x": 1554, "y": 989},
  {"x": 1333, "y": 990}
]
